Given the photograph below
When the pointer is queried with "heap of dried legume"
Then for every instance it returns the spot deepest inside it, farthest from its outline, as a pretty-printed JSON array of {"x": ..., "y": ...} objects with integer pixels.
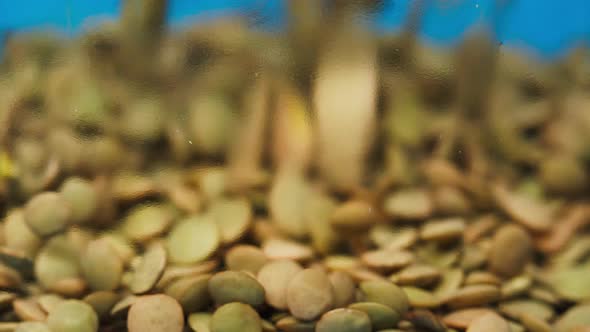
[{"x": 226, "y": 179}]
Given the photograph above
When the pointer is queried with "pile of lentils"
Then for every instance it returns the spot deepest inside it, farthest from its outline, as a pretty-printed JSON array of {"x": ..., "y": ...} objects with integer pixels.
[{"x": 223, "y": 178}]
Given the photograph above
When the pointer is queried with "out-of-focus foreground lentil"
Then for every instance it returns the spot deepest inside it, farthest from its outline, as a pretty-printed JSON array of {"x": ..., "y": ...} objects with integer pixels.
[{"x": 219, "y": 178}]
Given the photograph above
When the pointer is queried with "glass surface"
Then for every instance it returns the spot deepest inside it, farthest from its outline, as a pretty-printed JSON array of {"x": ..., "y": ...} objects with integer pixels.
[{"x": 296, "y": 165}]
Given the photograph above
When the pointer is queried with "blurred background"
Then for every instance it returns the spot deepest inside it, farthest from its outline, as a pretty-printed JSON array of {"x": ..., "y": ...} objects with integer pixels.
[{"x": 546, "y": 28}]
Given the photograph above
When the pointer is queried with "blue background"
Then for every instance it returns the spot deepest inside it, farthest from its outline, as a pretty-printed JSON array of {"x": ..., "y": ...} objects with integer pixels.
[{"x": 546, "y": 27}]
